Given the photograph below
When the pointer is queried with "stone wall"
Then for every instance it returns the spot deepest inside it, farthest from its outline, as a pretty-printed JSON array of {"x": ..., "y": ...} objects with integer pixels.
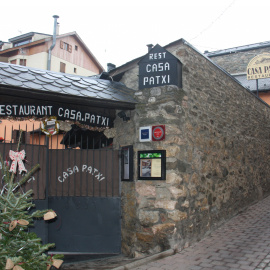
[
  {"x": 236, "y": 62},
  {"x": 217, "y": 143}
]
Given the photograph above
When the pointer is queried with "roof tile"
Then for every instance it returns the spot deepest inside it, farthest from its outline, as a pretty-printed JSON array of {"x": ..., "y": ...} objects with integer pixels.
[
  {"x": 89, "y": 80},
  {"x": 20, "y": 68},
  {"x": 32, "y": 85},
  {"x": 27, "y": 76},
  {"x": 12, "y": 71},
  {"x": 62, "y": 82},
  {"x": 80, "y": 85},
  {"x": 52, "y": 88},
  {"x": 44, "y": 79},
  {"x": 11, "y": 81}
]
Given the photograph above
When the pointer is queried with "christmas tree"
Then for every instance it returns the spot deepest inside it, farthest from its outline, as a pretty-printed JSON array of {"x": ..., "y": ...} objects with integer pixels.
[{"x": 20, "y": 249}]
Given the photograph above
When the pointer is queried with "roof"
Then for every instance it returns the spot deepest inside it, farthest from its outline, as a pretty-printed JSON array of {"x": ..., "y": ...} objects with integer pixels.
[
  {"x": 92, "y": 89},
  {"x": 74, "y": 33},
  {"x": 263, "y": 84},
  {"x": 27, "y": 35},
  {"x": 238, "y": 49}
]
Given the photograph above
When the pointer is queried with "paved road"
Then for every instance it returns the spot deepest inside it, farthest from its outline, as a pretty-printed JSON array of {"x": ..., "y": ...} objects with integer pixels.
[{"x": 243, "y": 243}]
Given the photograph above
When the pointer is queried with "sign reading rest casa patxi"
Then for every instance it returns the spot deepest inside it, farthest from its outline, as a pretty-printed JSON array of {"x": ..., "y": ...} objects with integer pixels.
[{"x": 159, "y": 67}]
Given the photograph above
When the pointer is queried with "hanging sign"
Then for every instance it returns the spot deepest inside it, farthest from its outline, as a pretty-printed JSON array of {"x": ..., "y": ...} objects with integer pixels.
[
  {"x": 259, "y": 67},
  {"x": 158, "y": 68},
  {"x": 158, "y": 133},
  {"x": 50, "y": 126}
]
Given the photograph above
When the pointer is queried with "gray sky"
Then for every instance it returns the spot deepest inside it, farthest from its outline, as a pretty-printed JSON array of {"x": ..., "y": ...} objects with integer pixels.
[{"x": 118, "y": 31}]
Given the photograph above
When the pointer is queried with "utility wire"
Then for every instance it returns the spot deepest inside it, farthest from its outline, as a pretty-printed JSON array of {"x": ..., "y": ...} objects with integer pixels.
[{"x": 213, "y": 22}]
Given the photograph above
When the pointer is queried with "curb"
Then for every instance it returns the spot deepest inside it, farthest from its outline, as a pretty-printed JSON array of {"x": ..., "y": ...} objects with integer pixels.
[{"x": 145, "y": 260}]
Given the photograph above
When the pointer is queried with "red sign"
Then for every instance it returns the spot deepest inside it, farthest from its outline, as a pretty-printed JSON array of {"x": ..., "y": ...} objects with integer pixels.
[{"x": 158, "y": 133}]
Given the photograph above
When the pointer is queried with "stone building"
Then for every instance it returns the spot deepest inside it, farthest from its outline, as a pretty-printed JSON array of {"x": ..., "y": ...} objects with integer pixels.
[
  {"x": 235, "y": 61},
  {"x": 208, "y": 160},
  {"x": 217, "y": 153}
]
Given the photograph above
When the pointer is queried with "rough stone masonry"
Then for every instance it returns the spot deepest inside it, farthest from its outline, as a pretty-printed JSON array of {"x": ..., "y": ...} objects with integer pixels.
[{"x": 218, "y": 155}]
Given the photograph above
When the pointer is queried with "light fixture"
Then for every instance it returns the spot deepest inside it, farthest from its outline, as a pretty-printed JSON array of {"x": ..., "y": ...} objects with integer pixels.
[{"x": 123, "y": 115}]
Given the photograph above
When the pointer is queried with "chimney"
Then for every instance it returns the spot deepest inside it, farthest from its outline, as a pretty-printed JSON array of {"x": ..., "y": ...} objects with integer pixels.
[
  {"x": 57, "y": 29},
  {"x": 110, "y": 66},
  {"x": 53, "y": 42},
  {"x": 150, "y": 46}
]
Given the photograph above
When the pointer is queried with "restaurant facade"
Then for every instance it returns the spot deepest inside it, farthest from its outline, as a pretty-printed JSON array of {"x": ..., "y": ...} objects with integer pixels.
[{"x": 154, "y": 154}]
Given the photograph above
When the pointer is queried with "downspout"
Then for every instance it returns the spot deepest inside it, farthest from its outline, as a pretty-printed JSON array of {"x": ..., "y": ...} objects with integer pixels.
[{"x": 53, "y": 44}]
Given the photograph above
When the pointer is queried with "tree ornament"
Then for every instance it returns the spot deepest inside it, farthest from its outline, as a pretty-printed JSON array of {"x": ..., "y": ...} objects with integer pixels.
[
  {"x": 17, "y": 158},
  {"x": 17, "y": 267},
  {"x": 23, "y": 222},
  {"x": 13, "y": 225},
  {"x": 49, "y": 215},
  {"x": 57, "y": 263},
  {"x": 9, "y": 264}
]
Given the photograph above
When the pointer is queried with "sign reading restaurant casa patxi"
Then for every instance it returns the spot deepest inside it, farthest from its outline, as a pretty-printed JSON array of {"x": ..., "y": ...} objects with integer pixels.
[
  {"x": 159, "y": 67},
  {"x": 78, "y": 114}
]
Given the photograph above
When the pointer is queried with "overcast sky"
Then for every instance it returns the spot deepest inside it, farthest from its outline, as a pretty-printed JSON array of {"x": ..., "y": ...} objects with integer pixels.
[{"x": 118, "y": 31}]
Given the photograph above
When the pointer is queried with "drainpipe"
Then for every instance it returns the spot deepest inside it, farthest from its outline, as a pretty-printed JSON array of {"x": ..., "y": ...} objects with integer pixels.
[{"x": 53, "y": 44}]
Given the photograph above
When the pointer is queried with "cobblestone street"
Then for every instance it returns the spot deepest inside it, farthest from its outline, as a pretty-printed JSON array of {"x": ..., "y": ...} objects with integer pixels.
[{"x": 241, "y": 243}]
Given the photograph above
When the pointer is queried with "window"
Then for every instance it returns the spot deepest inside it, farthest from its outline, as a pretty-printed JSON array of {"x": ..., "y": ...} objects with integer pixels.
[
  {"x": 23, "y": 42},
  {"x": 14, "y": 62},
  {"x": 75, "y": 70},
  {"x": 65, "y": 46},
  {"x": 76, "y": 48},
  {"x": 62, "y": 67},
  {"x": 22, "y": 62}
]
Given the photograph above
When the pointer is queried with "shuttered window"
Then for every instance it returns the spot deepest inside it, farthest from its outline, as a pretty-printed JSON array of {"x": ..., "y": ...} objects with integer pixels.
[{"x": 65, "y": 46}]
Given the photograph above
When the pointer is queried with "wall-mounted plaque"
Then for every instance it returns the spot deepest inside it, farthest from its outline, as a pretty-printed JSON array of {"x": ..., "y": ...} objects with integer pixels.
[
  {"x": 152, "y": 165},
  {"x": 159, "y": 67},
  {"x": 158, "y": 133},
  {"x": 145, "y": 134}
]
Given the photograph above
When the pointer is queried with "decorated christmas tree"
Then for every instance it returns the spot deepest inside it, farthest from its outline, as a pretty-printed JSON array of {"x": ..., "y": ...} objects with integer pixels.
[{"x": 19, "y": 248}]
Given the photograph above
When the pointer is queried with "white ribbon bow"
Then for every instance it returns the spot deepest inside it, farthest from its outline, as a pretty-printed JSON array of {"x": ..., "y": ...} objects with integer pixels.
[{"x": 17, "y": 158}]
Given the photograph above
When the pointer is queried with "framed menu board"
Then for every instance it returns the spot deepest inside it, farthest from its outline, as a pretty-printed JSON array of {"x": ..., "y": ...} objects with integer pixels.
[
  {"x": 152, "y": 165},
  {"x": 127, "y": 163}
]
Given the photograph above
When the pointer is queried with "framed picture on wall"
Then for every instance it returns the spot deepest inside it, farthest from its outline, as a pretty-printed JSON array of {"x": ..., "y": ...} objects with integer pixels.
[{"x": 152, "y": 165}]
